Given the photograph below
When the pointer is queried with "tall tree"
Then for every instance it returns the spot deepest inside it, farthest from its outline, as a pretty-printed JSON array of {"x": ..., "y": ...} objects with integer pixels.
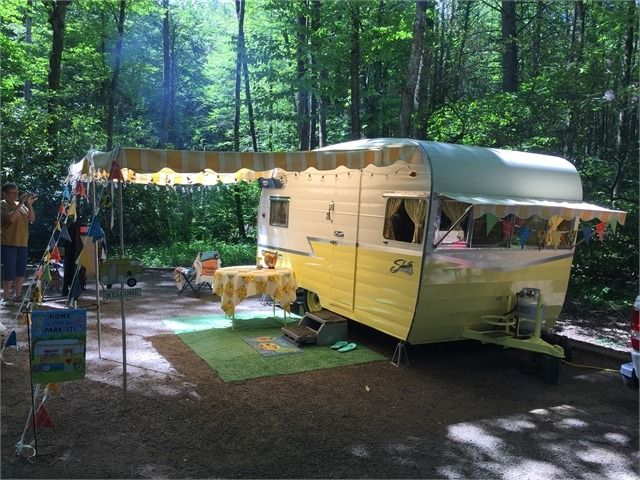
[
  {"x": 413, "y": 71},
  {"x": 57, "y": 12},
  {"x": 302, "y": 97},
  {"x": 509, "y": 47},
  {"x": 111, "y": 94},
  {"x": 28, "y": 40},
  {"x": 167, "y": 80},
  {"x": 242, "y": 52},
  {"x": 355, "y": 69},
  {"x": 623, "y": 137}
]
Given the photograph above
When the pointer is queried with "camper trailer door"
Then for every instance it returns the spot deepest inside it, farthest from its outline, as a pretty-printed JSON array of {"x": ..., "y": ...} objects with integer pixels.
[{"x": 342, "y": 230}]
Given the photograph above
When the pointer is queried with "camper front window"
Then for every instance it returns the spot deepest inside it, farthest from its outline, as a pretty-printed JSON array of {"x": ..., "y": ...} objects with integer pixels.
[
  {"x": 279, "y": 212},
  {"x": 404, "y": 219}
]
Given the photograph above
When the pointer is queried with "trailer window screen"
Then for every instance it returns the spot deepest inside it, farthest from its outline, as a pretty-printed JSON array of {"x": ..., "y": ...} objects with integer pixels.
[
  {"x": 514, "y": 232},
  {"x": 404, "y": 219},
  {"x": 279, "y": 212},
  {"x": 453, "y": 224}
]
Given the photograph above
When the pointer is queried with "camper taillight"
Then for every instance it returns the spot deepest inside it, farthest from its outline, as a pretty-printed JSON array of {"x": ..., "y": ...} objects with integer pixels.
[{"x": 635, "y": 326}]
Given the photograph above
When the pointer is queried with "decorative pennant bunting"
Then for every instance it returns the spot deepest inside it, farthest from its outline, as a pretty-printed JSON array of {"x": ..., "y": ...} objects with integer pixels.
[
  {"x": 83, "y": 259},
  {"x": 587, "y": 232},
  {"x": 61, "y": 209},
  {"x": 491, "y": 221},
  {"x": 36, "y": 294},
  {"x": 71, "y": 211},
  {"x": 12, "y": 340},
  {"x": 55, "y": 253},
  {"x": 116, "y": 173},
  {"x": 80, "y": 190},
  {"x": 46, "y": 273},
  {"x": 24, "y": 319},
  {"x": 524, "y": 236},
  {"x": 600, "y": 230},
  {"x": 75, "y": 290},
  {"x": 66, "y": 194},
  {"x": 556, "y": 237},
  {"x": 614, "y": 224},
  {"x": 95, "y": 230},
  {"x": 64, "y": 233},
  {"x": 42, "y": 418},
  {"x": 507, "y": 229},
  {"x": 38, "y": 273},
  {"x": 54, "y": 388},
  {"x": 58, "y": 228}
]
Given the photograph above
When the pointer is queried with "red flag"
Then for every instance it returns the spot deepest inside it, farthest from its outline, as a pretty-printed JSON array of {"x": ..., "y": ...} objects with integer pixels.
[
  {"x": 80, "y": 190},
  {"x": 55, "y": 253},
  {"x": 42, "y": 418},
  {"x": 61, "y": 209},
  {"x": 116, "y": 173}
]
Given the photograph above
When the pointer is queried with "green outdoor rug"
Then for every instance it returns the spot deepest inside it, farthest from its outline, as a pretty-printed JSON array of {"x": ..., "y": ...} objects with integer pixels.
[{"x": 225, "y": 351}]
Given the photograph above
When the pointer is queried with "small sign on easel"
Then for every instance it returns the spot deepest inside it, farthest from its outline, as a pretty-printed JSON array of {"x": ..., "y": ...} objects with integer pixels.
[{"x": 117, "y": 293}]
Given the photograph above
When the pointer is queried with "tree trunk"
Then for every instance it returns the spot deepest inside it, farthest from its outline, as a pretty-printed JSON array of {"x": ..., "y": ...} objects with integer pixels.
[
  {"x": 575, "y": 55},
  {"x": 166, "y": 77},
  {"x": 239, "y": 216},
  {"x": 624, "y": 127},
  {"x": 302, "y": 100},
  {"x": 114, "y": 79},
  {"x": 537, "y": 39},
  {"x": 314, "y": 50},
  {"x": 509, "y": 47},
  {"x": 56, "y": 20},
  {"x": 247, "y": 92},
  {"x": 355, "y": 70},
  {"x": 28, "y": 23},
  {"x": 413, "y": 72}
]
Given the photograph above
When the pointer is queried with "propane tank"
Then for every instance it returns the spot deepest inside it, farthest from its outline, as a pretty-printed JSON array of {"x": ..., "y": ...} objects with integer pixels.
[{"x": 530, "y": 311}]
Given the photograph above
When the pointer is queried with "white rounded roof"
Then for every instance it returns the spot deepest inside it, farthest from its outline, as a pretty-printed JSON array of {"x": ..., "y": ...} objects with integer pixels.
[{"x": 489, "y": 171}]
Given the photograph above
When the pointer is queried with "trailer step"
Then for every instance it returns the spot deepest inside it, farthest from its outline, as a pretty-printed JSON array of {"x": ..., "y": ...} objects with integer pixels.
[{"x": 319, "y": 328}]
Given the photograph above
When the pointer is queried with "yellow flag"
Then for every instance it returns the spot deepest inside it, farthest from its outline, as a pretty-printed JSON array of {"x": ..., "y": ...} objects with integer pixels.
[
  {"x": 71, "y": 211},
  {"x": 83, "y": 259},
  {"x": 54, "y": 388}
]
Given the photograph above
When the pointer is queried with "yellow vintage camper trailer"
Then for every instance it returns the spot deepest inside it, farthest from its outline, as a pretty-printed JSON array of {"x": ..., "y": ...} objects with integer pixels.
[{"x": 436, "y": 245}]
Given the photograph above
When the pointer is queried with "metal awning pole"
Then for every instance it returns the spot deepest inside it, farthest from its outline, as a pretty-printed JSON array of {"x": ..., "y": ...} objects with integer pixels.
[
  {"x": 122, "y": 309},
  {"x": 97, "y": 263}
]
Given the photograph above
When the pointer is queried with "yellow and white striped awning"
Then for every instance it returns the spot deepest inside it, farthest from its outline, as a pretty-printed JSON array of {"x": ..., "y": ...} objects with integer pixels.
[
  {"x": 527, "y": 207},
  {"x": 202, "y": 167}
]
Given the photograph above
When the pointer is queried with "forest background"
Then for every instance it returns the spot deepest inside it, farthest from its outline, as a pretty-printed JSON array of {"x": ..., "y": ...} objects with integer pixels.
[{"x": 551, "y": 76}]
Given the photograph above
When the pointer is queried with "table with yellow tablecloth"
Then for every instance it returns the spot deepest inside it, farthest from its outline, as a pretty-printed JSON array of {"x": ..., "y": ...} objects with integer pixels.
[{"x": 234, "y": 284}]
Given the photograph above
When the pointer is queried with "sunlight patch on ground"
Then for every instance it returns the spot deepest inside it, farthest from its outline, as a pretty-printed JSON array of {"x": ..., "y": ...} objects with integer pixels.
[{"x": 476, "y": 436}]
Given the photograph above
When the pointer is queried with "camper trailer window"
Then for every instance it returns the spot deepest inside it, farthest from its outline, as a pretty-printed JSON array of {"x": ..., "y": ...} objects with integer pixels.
[
  {"x": 451, "y": 214},
  {"x": 404, "y": 219},
  {"x": 512, "y": 231},
  {"x": 279, "y": 212}
]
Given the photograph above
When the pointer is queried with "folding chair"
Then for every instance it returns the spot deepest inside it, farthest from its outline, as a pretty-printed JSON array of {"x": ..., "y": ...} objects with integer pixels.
[{"x": 200, "y": 275}]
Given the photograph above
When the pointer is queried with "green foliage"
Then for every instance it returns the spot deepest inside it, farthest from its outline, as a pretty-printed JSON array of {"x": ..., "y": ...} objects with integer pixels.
[{"x": 182, "y": 254}]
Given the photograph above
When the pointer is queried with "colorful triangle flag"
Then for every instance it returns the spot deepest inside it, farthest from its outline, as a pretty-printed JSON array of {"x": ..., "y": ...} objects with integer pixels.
[
  {"x": 66, "y": 194},
  {"x": 614, "y": 224},
  {"x": 71, "y": 211},
  {"x": 556, "y": 237},
  {"x": 64, "y": 233},
  {"x": 524, "y": 236},
  {"x": 600, "y": 230},
  {"x": 587, "y": 232},
  {"x": 75, "y": 290},
  {"x": 83, "y": 259},
  {"x": 115, "y": 172},
  {"x": 491, "y": 221},
  {"x": 55, "y": 253},
  {"x": 54, "y": 388},
  {"x": 58, "y": 228},
  {"x": 42, "y": 418},
  {"x": 95, "y": 230},
  {"x": 46, "y": 274},
  {"x": 80, "y": 189},
  {"x": 61, "y": 209},
  {"x": 12, "y": 340},
  {"x": 507, "y": 229}
]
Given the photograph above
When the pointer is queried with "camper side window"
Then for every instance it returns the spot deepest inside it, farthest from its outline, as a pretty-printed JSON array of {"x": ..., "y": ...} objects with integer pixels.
[
  {"x": 451, "y": 214},
  {"x": 279, "y": 212},
  {"x": 404, "y": 219}
]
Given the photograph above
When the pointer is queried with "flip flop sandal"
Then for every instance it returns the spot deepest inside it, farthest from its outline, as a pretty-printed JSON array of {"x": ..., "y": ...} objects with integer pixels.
[
  {"x": 348, "y": 347},
  {"x": 339, "y": 344}
]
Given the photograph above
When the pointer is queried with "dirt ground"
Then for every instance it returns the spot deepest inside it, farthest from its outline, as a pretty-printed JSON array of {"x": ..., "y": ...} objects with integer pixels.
[{"x": 461, "y": 410}]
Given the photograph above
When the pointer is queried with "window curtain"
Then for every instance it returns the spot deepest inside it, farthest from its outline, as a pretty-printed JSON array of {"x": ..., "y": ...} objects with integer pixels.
[
  {"x": 417, "y": 210},
  {"x": 393, "y": 206},
  {"x": 452, "y": 208}
]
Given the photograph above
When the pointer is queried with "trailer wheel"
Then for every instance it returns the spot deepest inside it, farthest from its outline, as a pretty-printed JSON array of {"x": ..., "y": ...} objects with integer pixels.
[
  {"x": 311, "y": 301},
  {"x": 549, "y": 369},
  {"x": 132, "y": 282}
]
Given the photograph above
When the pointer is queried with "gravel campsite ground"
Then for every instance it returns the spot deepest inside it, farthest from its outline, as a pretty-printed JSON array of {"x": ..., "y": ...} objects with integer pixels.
[{"x": 461, "y": 410}]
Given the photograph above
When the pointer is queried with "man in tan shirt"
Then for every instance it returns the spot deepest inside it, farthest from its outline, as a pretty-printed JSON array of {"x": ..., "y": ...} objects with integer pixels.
[{"x": 16, "y": 217}]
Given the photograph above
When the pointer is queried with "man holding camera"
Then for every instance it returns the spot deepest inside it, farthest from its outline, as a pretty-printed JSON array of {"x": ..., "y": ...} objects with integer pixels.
[{"x": 16, "y": 217}]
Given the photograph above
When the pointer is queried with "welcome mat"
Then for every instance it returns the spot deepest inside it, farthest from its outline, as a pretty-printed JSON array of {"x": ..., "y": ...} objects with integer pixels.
[
  {"x": 272, "y": 346},
  {"x": 233, "y": 359}
]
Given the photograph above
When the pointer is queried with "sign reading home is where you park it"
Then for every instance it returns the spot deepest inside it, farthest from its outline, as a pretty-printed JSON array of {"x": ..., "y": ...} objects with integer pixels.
[{"x": 58, "y": 345}]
